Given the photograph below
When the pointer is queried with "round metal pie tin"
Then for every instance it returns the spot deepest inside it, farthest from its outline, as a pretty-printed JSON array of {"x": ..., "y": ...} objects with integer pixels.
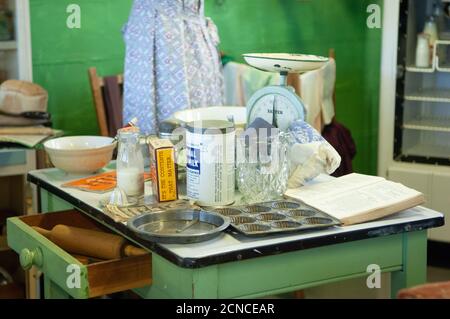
[{"x": 179, "y": 226}]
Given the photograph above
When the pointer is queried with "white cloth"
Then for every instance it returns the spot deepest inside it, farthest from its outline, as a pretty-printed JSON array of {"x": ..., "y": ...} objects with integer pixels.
[
  {"x": 309, "y": 154},
  {"x": 310, "y": 160},
  {"x": 317, "y": 88},
  {"x": 242, "y": 81}
]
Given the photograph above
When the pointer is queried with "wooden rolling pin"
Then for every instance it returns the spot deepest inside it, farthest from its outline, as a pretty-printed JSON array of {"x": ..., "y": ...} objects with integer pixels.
[
  {"x": 86, "y": 260},
  {"x": 91, "y": 243},
  {"x": 82, "y": 259}
]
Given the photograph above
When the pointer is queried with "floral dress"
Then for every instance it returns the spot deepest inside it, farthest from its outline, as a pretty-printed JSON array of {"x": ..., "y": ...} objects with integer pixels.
[{"x": 172, "y": 62}]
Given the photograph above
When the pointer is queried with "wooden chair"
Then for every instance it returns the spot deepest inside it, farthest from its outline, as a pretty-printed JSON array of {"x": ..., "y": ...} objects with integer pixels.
[{"x": 99, "y": 96}]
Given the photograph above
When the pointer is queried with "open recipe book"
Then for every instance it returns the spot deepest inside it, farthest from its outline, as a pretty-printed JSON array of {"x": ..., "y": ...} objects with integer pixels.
[{"x": 357, "y": 198}]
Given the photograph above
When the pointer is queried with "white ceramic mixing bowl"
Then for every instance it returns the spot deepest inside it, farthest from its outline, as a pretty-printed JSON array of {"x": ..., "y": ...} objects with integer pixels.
[{"x": 80, "y": 154}]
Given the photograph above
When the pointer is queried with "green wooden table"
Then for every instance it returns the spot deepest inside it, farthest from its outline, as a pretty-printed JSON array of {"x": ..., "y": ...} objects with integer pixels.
[{"x": 232, "y": 266}]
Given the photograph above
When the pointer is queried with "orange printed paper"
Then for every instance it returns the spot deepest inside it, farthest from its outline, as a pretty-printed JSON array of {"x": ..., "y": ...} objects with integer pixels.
[{"x": 101, "y": 183}]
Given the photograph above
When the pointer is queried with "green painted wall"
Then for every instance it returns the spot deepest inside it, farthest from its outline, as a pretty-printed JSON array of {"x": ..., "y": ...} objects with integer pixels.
[
  {"x": 62, "y": 56},
  {"x": 314, "y": 26}
]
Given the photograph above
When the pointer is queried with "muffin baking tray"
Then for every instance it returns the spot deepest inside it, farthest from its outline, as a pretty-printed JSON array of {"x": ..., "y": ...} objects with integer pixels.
[{"x": 275, "y": 217}]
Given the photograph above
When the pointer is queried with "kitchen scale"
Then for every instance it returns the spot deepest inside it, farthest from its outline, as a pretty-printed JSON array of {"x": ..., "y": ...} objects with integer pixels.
[{"x": 279, "y": 104}]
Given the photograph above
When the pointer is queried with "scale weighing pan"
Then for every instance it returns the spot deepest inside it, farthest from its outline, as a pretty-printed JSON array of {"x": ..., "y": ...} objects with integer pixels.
[
  {"x": 179, "y": 226},
  {"x": 285, "y": 62},
  {"x": 279, "y": 104}
]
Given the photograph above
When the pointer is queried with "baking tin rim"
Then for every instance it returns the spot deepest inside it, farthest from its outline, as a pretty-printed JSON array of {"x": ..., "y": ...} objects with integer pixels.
[{"x": 179, "y": 236}]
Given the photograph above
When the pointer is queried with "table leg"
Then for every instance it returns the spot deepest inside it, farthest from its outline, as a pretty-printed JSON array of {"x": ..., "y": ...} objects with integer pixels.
[
  {"x": 32, "y": 275},
  {"x": 53, "y": 291},
  {"x": 171, "y": 281},
  {"x": 32, "y": 283},
  {"x": 51, "y": 203},
  {"x": 38, "y": 200},
  {"x": 414, "y": 262}
]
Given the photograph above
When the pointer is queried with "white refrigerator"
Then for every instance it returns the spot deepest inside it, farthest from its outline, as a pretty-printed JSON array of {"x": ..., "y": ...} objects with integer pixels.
[{"x": 414, "y": 130}]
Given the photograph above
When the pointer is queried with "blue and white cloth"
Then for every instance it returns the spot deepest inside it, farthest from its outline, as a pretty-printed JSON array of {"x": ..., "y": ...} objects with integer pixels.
[
  {"x": 172, "y": 62},
  {"x": 309, "y": 154},
  {"x": 304, "y": 133}
]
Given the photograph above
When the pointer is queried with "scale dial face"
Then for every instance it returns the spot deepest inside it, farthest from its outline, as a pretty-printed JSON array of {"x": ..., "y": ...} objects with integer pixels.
[{"x": 278, "y": 105}]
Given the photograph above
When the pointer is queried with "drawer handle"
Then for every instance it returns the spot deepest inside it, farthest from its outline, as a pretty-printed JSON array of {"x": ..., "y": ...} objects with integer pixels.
[{"x": 29, "y": 258}]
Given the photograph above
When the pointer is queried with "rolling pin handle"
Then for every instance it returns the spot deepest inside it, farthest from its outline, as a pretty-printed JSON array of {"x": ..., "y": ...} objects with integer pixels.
[
  {"x": 130, "y": 251},
  {"x": 42, "y": 231}
]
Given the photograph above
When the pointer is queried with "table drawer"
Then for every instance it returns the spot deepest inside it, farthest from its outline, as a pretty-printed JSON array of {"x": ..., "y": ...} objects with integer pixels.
[{"x": 78, "y": 279}]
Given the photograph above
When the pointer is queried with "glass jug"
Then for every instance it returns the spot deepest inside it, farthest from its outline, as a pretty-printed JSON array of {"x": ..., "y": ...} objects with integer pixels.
[
  {"x": 262, "y": 168},
  {"x": 130, "y": 162}
]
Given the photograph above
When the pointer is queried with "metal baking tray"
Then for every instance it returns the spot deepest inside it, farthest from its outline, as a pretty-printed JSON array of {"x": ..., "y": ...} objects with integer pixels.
[
  {"x": 179, "y": 226},
  {"x": 275, "y": 217}
]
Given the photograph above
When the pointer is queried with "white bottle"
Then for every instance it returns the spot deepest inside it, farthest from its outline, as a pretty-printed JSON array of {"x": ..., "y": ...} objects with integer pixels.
[
  {"x": 432, "y": 30},
  {"x": 130, "y": 163},
  {"x": 423, "y": 51}
]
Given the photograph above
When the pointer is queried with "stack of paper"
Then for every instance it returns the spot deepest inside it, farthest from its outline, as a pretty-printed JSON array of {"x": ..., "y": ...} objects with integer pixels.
[{"x": 27, "y": 136}]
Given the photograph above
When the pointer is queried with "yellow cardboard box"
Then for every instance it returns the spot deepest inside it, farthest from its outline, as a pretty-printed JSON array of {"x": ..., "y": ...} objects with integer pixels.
[{"x": 163, "y": 169}]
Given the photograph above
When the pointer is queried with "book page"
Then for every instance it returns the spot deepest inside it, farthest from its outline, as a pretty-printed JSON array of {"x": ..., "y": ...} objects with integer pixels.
[
  {"x": 332, "y": 188},
  {"x": 363, "y": 200}
]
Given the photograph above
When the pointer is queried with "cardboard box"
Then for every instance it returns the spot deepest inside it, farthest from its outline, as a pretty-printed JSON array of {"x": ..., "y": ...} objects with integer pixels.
[{"x": 163, "y": 169}]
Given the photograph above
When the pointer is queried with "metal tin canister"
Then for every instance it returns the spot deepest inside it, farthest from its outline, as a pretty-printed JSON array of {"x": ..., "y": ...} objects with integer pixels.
[
  {"x": 171, "y": 129},
  {"x": 210, "y": 162}
]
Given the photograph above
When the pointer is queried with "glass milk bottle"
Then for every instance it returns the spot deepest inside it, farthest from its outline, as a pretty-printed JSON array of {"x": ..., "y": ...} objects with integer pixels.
[
  {"x": 432, "y": 30},
  {"x": 130, "y": 163},
  {"x": 423, "y": 51}
]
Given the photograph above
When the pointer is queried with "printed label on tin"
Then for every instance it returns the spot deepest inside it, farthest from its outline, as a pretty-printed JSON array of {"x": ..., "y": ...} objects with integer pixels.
[
  {"x": 193, "y": 159},
  {"x": 193, "y": 168},
  {"x": 210, "y": 168}
]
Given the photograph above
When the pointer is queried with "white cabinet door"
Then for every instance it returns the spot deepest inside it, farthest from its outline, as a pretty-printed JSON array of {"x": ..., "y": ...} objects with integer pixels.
[
  {"x": 441, "y": 203},
  {"x": 417, "y": 179},
  {"x": 435, "y": 185},
  {"x": 24, "y": 52}
]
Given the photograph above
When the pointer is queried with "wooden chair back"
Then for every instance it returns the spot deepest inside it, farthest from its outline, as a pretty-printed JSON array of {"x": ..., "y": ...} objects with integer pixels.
[{"x": 98, "y": 87}]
